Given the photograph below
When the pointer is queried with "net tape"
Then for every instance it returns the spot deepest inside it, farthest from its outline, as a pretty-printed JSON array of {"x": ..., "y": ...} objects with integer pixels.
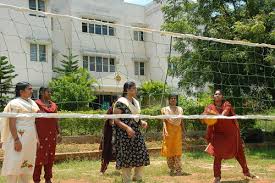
[
  {"x": 147, "y": 30},
  {"x": 131, "y": 116},
  {"x": 164, "y": 33}
]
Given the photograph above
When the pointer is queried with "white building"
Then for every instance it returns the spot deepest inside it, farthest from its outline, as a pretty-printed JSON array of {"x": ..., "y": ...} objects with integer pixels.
[{"x": 35, "y": 44}]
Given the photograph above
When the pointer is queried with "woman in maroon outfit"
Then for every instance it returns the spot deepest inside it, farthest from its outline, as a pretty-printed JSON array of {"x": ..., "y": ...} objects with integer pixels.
[
  {"x": 106, "y": 145},
  {"x": 224, "y": 137},
  {"x": 48, "y": 134}
]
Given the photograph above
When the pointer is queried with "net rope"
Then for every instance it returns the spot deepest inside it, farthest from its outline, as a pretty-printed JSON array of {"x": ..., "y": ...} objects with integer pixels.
[{"x": 153, "y": 34}]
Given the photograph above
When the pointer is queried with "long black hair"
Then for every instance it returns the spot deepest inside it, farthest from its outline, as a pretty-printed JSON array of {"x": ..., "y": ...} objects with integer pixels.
[
  {"x": 128, "y": 85},
  {"x": 173, "y": 95},
  {"x": 219, "y": 91},
  {"x": 42, "y": 89},
  {"x": 21, "y": 86},
  {"x": 223, "y": 100}
]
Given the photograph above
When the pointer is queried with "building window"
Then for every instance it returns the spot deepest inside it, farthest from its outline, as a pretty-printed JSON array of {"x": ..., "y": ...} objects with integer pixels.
[
  {"x": 99, "y": 64},
  {"x": 33, "y": 52},
  {"x": 85, "y": 62},
  {"x": 138, "y": 36},
  {"x": 91, "y": 28},
  {"x": 104, "y": 30},
  {"x": 32, "y": 4},
  {"x": 84, "y": 27},
  {"x": 38, "y": 5},
  {"x": 139, "y": 68},
  {"x": 97, "y": 28},
  {"x": 38, "y": 53},
  {"x": 42, "y": 53},
  {"x": 111, "y": 31},
  {"x": 105, "y": 65},
  {"x": 112, "y": 65},
  {"x": 92, "y": 63},
  {"x": 41, "y": 5}
]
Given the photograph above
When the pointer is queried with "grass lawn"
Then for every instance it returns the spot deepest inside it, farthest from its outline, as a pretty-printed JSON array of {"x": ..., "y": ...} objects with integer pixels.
[{"x": 196, "y": 165}]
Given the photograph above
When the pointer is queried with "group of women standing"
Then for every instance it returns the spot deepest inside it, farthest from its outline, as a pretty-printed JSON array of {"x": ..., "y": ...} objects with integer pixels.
[
  {"x": 29, "y": 143},
  {"x": 128, "y": 147}
]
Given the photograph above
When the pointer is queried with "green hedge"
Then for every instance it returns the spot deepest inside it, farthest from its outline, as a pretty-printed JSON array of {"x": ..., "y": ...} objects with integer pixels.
[
  {"x": 81, "y": 126},
  {"x": 190, "y": 106},
  {"x": 78, "y": 126},
  {"x": 154, "y": 125}
]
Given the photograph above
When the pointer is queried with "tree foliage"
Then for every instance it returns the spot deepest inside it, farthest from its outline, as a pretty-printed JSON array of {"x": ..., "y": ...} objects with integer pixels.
[
  {"x": 6, "y": 76},
  {"x": 245, "y": 74},
  {"x": 69, "y": 64},
  {"x": 73, "y": 91},
  {"x": 153, "y": 93}
]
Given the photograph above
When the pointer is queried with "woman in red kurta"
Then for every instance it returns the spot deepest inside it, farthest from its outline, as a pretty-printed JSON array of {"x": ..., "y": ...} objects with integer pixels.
[
  {"x": 106, "y": 144},
  {"x": 224, "y": 137},
  {"x": 48, "y": 134}
]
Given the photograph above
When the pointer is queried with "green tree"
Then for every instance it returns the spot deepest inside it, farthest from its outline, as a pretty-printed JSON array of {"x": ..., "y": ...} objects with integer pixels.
[
  {"x": 6, "y": 77},
  {"x": 245, "y": 74},
  {"x": 153, "y": 93},
  {"x": 73, "y": 91},
  {"x": 69, "y": 64}
]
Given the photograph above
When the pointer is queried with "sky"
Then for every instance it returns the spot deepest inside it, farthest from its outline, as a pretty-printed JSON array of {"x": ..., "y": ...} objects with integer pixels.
[{"x": 140, "y": 2}]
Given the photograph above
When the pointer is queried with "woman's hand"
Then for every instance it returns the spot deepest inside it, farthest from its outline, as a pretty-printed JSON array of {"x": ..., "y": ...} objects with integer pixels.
[
  {"x": 17, "y": 145},
  {"x": 131, "y": 133},
  {"x": 144, "y": 124},
  {"x": 111, "y": 122},
  {"x": 165, "y": 132},
  {"x": 211, "y": 112}
]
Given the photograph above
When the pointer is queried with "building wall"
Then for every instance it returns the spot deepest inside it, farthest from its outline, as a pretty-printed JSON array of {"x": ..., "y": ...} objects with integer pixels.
[
  {"x": 158, "y": 46},
  {"x": 61, "y": 30},
  {"x": 121, "y": 46},
  {"x": 18, "y": 31},
  {"x": 59, "y": 34}
]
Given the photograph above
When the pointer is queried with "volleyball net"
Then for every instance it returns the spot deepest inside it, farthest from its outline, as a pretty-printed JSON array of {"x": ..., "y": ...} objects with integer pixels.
[{"x": 85, "y": 60}]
